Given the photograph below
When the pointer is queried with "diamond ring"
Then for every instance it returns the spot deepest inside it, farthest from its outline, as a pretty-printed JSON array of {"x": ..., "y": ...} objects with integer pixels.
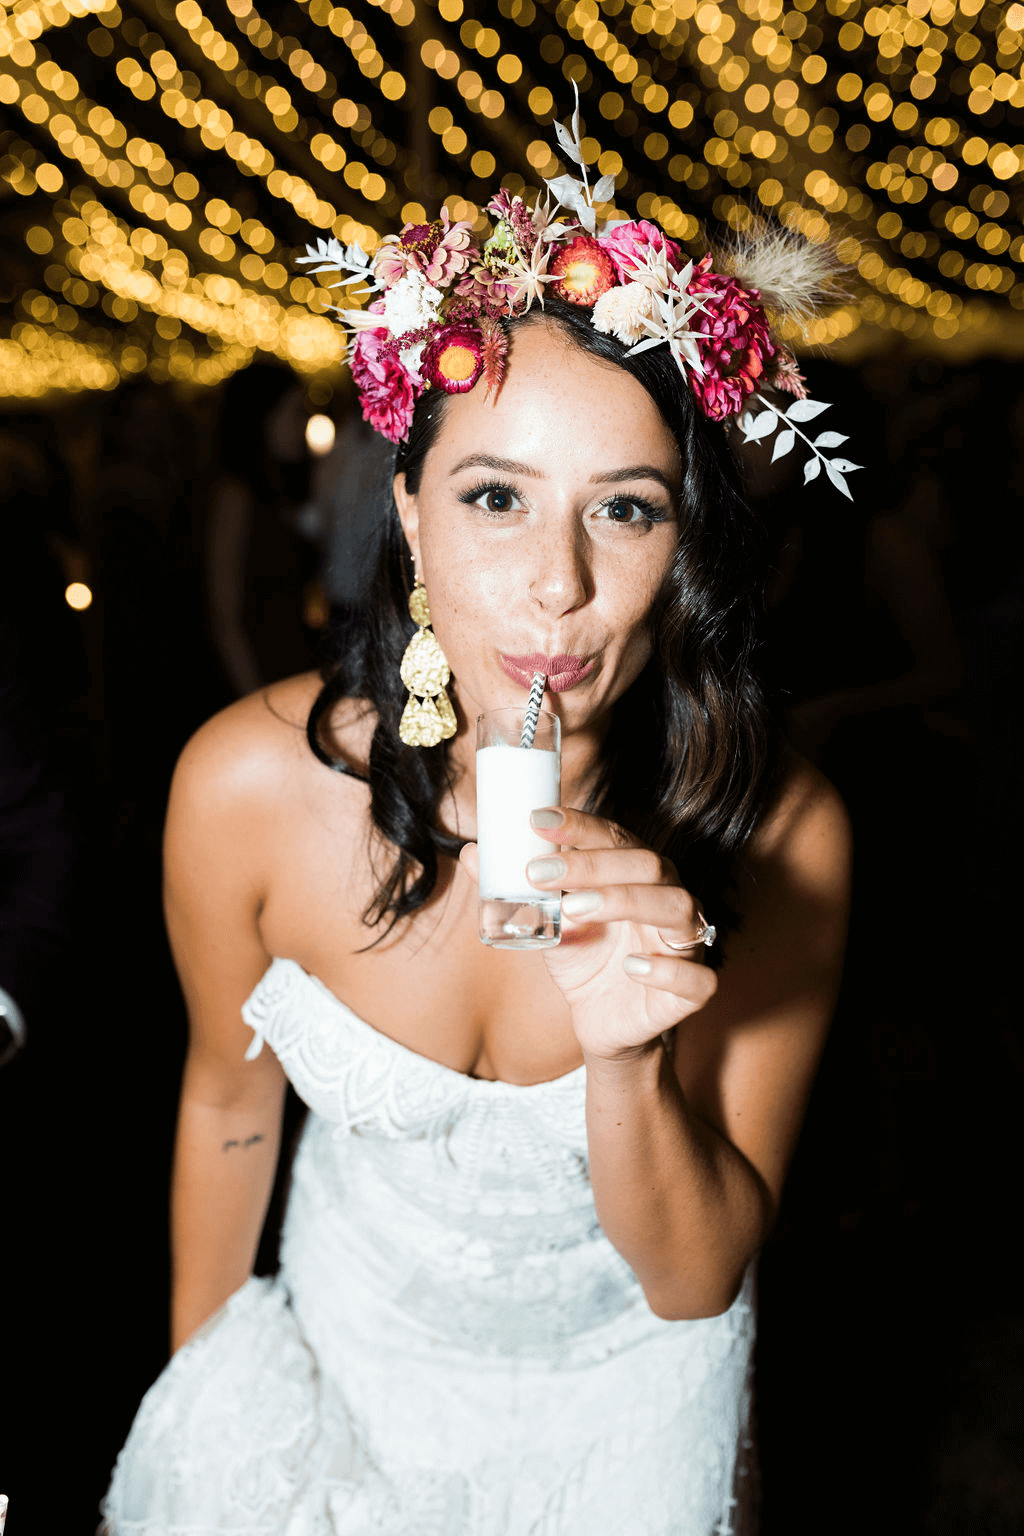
[{"x": 706, "y": 934}]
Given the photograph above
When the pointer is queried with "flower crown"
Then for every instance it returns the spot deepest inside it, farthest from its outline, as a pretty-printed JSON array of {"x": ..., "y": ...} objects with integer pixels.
[{"x": 443, "y": 296}]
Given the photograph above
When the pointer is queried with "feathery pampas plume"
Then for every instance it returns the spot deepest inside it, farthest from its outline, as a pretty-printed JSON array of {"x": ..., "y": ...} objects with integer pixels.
[{"x": 795, "y": 277}]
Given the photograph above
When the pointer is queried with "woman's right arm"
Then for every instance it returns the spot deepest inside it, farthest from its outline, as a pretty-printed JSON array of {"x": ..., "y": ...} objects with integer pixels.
[{"x": 229, "y": 1118}]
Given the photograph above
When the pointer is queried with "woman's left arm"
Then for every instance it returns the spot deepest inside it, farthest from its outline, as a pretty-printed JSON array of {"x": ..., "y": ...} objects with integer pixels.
[{"x": 688, "y": 1154}]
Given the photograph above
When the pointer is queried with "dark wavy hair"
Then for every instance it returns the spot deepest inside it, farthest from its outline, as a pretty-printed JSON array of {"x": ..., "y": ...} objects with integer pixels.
[{"x": 692, "y": 749}]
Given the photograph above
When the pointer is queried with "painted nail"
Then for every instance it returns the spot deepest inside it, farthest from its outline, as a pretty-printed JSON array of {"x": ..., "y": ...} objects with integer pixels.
[
  {"x": 546, "y": 818},
  {"x": 578, "y": 902},
  {"x": 542, "y": 870},
  {"x": 636, "y": 965}
]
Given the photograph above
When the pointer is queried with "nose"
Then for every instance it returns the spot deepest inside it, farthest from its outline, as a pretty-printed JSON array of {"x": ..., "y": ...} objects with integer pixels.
[{"x": 562, "y": 578}]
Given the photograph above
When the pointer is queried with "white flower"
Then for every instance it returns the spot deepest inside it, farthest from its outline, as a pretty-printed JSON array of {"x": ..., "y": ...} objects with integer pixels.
[
  {"x": 410, "y": 304},
  {"x": 622, "y": 310},
  {"x": 412, "y": 357}
]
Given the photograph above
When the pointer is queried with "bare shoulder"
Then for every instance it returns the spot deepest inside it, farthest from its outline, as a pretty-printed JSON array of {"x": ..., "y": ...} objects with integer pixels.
[
  {"x": 793, "y": 879},
  {"x": 806, "y": 832},
  {"x": 251, "y": 764},
  {"x": 250, "y": 749}
]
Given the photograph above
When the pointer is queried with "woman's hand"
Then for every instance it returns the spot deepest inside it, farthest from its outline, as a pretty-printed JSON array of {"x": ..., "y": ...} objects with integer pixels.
[{"x": 623, "y": 983}]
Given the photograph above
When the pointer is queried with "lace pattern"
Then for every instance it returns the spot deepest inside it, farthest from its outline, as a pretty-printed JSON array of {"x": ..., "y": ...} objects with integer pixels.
[
  {"x": 351, "y": 1074},
  {"x": 452, "y": 1346}
]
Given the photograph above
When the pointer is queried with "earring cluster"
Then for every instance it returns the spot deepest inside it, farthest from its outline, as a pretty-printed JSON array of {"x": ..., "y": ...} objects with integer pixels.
[{"x": 428, "y": 716}]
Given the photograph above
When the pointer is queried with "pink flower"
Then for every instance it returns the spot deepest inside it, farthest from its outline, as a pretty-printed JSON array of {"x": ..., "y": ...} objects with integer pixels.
[
  {"x": 627, "y": 243},
  {"x": 452, "y": 359},
  {"x": 501, "y": 204},
  {"x": 440, "y": 250},
  {"x": 732, "y": 341},
  {"x": 387, "y": 390}
]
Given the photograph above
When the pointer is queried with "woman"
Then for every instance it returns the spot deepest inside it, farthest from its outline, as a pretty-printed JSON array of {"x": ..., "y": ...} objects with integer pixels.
[{"x": 516, "y": 1286}]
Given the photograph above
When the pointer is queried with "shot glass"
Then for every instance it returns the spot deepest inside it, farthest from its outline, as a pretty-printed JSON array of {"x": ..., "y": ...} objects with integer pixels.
[{"x": 511, "y": 781}]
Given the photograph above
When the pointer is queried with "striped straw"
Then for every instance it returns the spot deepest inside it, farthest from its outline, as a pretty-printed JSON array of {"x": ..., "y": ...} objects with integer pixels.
[{"x": 533, "y": 709}]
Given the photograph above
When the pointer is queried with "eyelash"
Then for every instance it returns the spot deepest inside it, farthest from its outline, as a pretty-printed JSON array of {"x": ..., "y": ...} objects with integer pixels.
[{"x": 648, "y": 510}]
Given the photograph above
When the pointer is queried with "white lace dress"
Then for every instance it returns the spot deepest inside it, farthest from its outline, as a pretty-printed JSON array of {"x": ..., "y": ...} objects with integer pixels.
[{"x": 452, "y": 1347}]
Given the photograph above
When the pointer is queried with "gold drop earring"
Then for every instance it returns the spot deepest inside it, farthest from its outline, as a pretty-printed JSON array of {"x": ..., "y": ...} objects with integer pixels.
[{"x": 428, "y": 716}]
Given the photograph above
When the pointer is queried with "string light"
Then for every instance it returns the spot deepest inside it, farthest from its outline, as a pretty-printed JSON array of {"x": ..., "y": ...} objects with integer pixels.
[{"x": 888, "y": 125}]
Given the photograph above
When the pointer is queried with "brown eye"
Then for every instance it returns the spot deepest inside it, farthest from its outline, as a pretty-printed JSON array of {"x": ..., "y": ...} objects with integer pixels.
[
  {"x": 495, "y": 499},
  {"x": 633, "y": 512}
]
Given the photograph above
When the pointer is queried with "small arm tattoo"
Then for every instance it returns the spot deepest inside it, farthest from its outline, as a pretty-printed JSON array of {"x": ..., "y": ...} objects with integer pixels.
[{"x": 250, "y": 1141}]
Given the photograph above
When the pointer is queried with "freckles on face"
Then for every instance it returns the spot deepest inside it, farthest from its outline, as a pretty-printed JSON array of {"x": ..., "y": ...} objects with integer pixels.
[{"x": 543, "y": 527}]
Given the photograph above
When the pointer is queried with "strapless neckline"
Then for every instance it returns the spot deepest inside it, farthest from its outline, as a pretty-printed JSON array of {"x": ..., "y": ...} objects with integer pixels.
[{"x": 483, "y": 1084}]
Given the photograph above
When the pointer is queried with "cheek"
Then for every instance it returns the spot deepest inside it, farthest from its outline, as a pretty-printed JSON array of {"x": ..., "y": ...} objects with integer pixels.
[
  {"x": 631, "y": 592},
  {"x": 464, "y": 600},
  {"x": 636, "y": 649}
]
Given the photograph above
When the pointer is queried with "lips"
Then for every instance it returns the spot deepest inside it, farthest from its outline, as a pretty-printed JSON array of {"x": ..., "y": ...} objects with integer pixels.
[{"x": 561, "y": 672}]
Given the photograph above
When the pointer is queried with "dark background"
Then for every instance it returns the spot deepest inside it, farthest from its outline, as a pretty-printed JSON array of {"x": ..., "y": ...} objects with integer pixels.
[
  {"x": 891, "y": 1347},
  {"x": 891, "y": 1342}
]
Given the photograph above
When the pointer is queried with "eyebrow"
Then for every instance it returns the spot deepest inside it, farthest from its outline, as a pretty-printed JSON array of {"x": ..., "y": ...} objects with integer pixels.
[
  {"x": 606, "y": 477},
  {"x": 487, "y": 461},
  {"x": 635, "y": 472}
]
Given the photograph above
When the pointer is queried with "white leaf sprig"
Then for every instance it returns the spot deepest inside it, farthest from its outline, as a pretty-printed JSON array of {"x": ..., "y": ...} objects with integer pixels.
[
  {"x": 353, "y": 260},
  {"x": 570, "y": 191},
  {"x": 570, "y": 141},
  {"x": 757, "y": 427},
  {"x": 335, "y": 257}
]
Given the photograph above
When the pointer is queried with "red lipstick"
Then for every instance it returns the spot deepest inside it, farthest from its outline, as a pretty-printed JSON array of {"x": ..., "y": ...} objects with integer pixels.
[{"x": 562, "y": 672}]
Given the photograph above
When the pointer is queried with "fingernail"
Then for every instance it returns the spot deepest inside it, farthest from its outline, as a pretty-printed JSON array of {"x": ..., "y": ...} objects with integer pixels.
[
  {"x": 636, "y": 965},
  {"x": 541, "y": 870},
  {"x": 546, "y": 818},
  {"x": 578, "y": 902}
]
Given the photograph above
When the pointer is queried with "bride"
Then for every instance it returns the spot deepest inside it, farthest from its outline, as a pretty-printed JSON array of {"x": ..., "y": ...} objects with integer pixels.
[{"x": 516, "y": 1293}]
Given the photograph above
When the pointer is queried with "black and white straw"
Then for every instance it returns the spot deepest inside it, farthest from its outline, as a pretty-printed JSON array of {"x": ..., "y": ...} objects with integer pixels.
[{"x": 533, "y": 704}]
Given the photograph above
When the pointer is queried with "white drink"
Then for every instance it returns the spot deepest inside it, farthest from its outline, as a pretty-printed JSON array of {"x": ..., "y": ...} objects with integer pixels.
[{"x": 511, "y": 781}]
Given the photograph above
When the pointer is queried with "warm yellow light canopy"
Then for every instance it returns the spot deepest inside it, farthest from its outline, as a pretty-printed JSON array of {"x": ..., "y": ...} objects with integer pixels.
[{"x": 163, "y": 164}]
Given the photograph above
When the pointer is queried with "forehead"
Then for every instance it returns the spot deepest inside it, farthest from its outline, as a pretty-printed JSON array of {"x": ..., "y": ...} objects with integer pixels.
[{"x": 559, "y": 408}]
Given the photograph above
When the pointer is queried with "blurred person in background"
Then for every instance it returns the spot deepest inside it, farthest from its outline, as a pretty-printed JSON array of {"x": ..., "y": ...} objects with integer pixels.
[
  {"x": 257, "y": 567},
  {"x": 357, "y": 481},
  {"x": 41, "y": 669},
  {"x": 146, "y": 478},
  {"x": 349, "y": 489},
  {"x": 43, "y": 760}
]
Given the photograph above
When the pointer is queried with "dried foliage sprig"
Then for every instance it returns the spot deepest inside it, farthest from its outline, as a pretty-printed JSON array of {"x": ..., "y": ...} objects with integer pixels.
[{"x": 757, "y": 428}]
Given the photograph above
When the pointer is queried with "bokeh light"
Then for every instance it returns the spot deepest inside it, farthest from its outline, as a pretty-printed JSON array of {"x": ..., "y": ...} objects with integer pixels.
[
  {"x": 78, "y": 596},
  {"x": 320, "y": 434},
  {"x": 171, "y": 172}
]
